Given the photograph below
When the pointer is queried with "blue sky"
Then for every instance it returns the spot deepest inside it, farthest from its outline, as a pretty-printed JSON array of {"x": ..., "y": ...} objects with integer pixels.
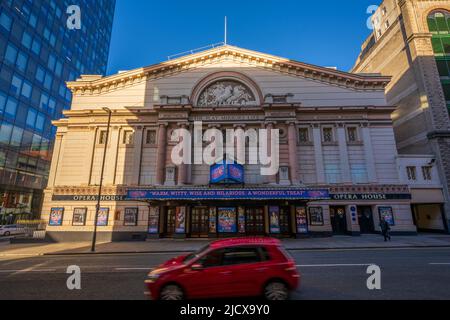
[{"x": 326, "y": 33}]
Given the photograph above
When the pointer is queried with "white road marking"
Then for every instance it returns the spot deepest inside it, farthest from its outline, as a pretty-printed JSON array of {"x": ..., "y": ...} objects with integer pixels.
[
  {"x": 130, "y": 269},
  {"x": 335, "y": 265},
  {"x": 27, "y": 270}
]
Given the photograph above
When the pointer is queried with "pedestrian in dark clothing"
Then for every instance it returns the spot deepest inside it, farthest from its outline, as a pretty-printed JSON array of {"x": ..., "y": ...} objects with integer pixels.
[{"x": 385, "y": 228}]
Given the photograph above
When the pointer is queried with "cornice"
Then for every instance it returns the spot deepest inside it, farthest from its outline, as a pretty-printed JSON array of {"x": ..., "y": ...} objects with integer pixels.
[{"x": 339, "y": 78}]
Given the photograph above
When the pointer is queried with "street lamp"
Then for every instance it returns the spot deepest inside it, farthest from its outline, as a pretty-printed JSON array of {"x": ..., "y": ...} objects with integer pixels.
[{"x": 97, "y": 208}]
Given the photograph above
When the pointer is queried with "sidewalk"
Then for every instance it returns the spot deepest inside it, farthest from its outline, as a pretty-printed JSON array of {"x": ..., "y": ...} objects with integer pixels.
[{"x": 189, "y": 245}]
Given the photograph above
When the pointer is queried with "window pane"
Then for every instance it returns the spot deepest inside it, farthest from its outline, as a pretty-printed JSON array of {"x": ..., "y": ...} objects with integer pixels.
[
  {"x": 44, "y": 102},
  {"x": 26, "y": 40},
  {"x": 446, "y": 44},
  {"x": 437, "y": 46},
  {"x": 2, "y": 102},
  {"x": 16, "y": 137},
  {"x": 16, "y": 84},
  {"x": 432, "y": 26},
  {"x": 40, "y": 120},
  {"x": 5, "y": 21},
  {"x": 40, "y": 74},
  {"x": 36, "y": 47},
  {"x": 26, "y": 89},
  {"x": 31, "y": 117},
  {"x": 11, "y": 54},
  {"x": 11, "y": 107},
  {"x": 5, "y": 132},
  {"x": 22, "y": 61}
]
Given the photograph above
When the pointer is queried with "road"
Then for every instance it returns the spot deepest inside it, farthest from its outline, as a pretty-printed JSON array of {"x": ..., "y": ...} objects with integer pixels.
[{"x": 333, "y": 274}]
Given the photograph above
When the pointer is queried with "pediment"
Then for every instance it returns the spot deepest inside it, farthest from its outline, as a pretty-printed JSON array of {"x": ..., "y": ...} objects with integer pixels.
[{"x": 230, "y": 53}]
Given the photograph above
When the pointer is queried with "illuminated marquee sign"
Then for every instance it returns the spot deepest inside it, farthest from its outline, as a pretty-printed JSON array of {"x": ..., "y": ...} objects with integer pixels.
[{"x": 227, "y": 173}]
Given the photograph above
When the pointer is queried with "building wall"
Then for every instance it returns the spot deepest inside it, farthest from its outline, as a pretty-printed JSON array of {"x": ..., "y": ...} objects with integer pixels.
[{"x": 405, "y": 52}]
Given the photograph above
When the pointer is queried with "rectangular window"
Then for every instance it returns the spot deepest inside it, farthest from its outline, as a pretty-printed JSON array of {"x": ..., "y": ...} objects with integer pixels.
[
  {"x": 5, "y": 132},
  {"x": 151, "y": 137},
  {"x": 2, "y": 102},
  {"x": 11, "y": 107},
  {"x": 43, "y": 104},
  {"x": 16, "y": 137},
  {"x": 26, "y": 89},
  {"x": 411, "y": 173},
  {"x": 102, "y": 137},
  {"x": 426, "y": 173},
  {"x": 48, "y": 81},
  {"x": 303, "y": 135},
  {"x": 31, "y": 118},
  {"x": 128, "y": 137},
  {"x": 40, "y": 74},
  {"x": 16, "y": 84},
  {"x": 27, "y": 40},
  {"x": 22, "y": 61},
  {"x": 5, "y": 21},
  {"x": 36, "y": 47},
  {"x": 40, "y": 121},
  {"x": 11, "y": 54},
  {"x": 352, "y": 134},
  {"x": 327, "y": 134}
]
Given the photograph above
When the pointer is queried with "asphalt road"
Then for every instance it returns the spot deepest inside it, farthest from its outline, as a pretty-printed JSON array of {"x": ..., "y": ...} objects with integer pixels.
[{"x": 405, "y": 274}]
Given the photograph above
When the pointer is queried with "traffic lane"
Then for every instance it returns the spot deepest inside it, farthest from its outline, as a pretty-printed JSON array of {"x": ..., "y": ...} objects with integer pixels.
[
  {"x": 94, "y": 286},
  {"x": 138, "y": 261},
  {"x": 406, "y": 274}
]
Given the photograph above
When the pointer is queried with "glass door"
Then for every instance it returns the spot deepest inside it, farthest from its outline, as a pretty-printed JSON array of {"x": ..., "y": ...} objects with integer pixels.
[
  {"x": 199, "y": 222},
  {"x": 254, "y": 221}
]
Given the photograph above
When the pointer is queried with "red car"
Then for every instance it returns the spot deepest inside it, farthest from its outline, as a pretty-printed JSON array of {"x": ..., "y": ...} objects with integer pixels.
[{"x": 227, "y": 268}]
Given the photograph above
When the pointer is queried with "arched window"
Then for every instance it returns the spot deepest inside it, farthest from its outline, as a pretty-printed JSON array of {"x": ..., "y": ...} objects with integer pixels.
[
  {"x": 439, "y": 22},
  {"x": 439, "y": 26}
]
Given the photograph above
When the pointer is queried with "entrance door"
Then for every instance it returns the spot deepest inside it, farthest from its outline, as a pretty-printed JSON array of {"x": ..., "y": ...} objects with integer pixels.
[
  {"x": 338, "y": 220},
  {"x": 199, "y": 222},
  {"x": 170, "y": 222},
  {"x": 365, "y": 219},
  {"x": 254, "y": 221},
  {"x": 285, "y": 221}
]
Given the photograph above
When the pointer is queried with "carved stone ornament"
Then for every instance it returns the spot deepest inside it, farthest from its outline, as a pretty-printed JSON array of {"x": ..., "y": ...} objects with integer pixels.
[{"x": 226, "y": 93}]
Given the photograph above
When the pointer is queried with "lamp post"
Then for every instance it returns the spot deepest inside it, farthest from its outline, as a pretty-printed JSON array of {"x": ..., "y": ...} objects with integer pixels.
[{"x": 97, "y": 208}]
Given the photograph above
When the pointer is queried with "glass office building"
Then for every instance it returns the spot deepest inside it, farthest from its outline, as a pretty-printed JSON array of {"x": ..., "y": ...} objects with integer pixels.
[{"x": 38, "y": 54}]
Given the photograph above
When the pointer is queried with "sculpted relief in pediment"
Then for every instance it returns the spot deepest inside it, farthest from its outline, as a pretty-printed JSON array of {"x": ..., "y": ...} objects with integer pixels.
[{"x": 226, "y": 93}]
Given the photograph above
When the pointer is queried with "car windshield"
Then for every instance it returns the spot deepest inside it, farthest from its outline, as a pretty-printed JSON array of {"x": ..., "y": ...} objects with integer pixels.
[{"x": 195, "y": 254}]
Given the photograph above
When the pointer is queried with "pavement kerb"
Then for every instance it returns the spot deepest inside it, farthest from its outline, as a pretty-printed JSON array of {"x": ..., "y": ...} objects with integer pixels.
[{"x": 188, "y": 251}]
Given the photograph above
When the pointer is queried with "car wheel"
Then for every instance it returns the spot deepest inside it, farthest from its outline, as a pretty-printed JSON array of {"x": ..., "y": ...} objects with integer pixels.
[
  {"x": 276, "y": 290},
  {"x": 172, "y": 292},
  {"x": 7, "y": 233}
]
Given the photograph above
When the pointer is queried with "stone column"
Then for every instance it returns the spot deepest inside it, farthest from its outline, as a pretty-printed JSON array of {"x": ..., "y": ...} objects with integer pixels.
[
  {"x": 56, "y": 158},
  {"x": 138, "y": 139},
  {"x": 368, "y": 153},
  {"x": 269, "y": 126},
  {"x": 161, "y": 154},
  {"x": 111, "y": 156},
  {"x": 182, "y": 168},
  {"x": 343, "y": 155},
  {"x": 293, "y": 159},
  {"x": 318, "y": 155}
]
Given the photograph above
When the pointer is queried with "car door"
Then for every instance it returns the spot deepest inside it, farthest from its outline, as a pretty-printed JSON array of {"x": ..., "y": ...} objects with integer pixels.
[
  {"x": 246, "y": 270},
  {"x": 211, "y": 280}
]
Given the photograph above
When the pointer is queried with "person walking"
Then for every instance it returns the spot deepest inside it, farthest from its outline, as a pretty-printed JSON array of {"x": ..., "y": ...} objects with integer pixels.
[{"x": 385, "y": 228}]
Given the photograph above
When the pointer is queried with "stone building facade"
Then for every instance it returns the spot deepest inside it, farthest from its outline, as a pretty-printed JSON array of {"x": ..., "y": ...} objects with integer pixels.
[
  {"x": 338, "y": 159},
  {"x": 411, "y": 43}
]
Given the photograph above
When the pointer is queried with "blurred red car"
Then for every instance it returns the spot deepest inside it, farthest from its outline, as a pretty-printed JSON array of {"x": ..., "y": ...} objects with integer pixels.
[{"x": 238, "y": 267}]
